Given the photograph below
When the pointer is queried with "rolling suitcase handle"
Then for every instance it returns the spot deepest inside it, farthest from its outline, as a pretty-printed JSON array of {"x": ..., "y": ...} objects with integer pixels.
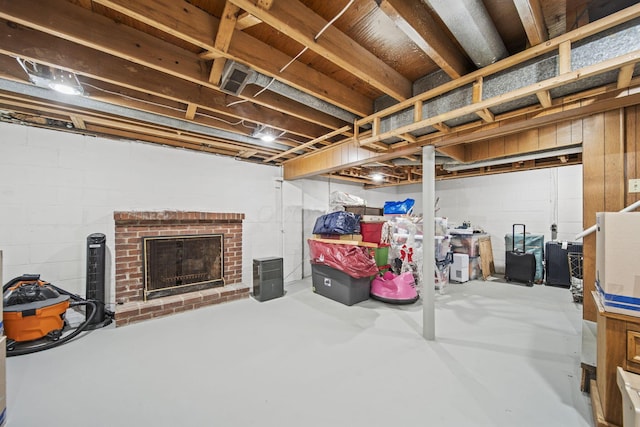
[{"x": 524, "y": 238}]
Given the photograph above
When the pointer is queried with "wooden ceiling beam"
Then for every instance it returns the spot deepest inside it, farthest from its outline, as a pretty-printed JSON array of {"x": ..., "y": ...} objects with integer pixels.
[
  {"x": 223, "y": 40},
  {"x": 342, "y": 156},
  {"x": 194, "y": 25},
  {"x": 88, "y": 29},
  {"x": 413, "y": 19},
  {"x": 295, "y": 20},
  {"x": 532, "y": 18},
  {"x": 30, "y": 44},
  {"x": 532, "y": 89}
]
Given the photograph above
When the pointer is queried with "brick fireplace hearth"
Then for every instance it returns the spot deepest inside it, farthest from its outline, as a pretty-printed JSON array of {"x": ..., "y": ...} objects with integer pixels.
[{"x": 131, "y": 227}]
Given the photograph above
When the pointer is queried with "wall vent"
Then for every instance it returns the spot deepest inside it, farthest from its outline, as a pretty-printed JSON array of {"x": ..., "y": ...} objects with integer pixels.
[{"x": 234, "y": 77}]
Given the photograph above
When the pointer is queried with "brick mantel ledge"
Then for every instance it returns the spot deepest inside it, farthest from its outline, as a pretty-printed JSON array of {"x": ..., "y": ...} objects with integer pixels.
[{"x": 180, "y": 217}]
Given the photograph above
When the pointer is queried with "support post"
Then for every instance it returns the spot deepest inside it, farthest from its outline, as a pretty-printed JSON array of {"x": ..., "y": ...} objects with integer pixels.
[{"x": 428, "y": 247}]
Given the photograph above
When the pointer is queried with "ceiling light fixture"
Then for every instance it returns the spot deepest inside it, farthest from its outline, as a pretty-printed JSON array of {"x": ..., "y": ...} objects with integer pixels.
[
  {"x": 52, "y": 78},
  {"x": 377, "y": 177},
  {"x": 265, "y": 133}
]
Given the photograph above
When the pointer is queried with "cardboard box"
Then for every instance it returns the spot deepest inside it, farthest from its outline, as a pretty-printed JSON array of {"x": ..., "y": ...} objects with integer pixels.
[
  {"x": 617, "y": 266},
  {"x": 363, "y": 210},
  {"x": 353, "y": 237},
  {"x": 339, "y": 286}
]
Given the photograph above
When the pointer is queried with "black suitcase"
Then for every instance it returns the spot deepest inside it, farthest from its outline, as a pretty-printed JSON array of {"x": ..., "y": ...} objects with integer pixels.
[
  {"x": 519, "y": 265},
  {"x": 556, "y": 262}
]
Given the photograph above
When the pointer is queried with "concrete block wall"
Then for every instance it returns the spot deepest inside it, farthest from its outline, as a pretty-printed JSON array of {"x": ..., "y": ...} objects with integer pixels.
[{"x": 57, "y": 188}]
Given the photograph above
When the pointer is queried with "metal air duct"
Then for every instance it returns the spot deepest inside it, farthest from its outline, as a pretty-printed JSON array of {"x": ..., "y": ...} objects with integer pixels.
[{"x": 469, "y": 22}]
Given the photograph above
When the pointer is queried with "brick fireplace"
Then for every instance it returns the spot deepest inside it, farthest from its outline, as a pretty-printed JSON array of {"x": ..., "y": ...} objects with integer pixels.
[{"x": 132, "y": 227}]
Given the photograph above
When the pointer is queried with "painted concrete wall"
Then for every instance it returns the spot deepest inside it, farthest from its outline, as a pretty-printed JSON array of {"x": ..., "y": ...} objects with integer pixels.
[
  {"x": 536, "y": 198},
  {"x": 57, "y": 188}
]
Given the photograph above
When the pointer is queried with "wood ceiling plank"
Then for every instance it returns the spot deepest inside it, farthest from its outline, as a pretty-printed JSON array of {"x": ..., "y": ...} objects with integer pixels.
[
  {"x": 301, "y": 24},
  {"x": 532, "y": 18},
  {"x": 196, "y": 26},
  {"x": 415, "y": 22},
  {"x": 31, "y": 44}
]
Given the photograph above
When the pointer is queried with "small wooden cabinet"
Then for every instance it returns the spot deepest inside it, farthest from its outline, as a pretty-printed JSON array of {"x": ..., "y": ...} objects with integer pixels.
[{"x": 618, "y": 344}]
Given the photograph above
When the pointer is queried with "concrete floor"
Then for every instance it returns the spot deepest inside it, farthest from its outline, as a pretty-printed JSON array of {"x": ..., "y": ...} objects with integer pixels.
[{"x": 505, "y": 355}]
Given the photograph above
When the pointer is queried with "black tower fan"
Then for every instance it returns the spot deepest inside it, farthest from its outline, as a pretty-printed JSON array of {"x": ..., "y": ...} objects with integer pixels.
[{"x": 96, "y": 249}]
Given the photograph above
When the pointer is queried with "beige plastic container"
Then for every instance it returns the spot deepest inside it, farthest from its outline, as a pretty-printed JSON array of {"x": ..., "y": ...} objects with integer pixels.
[{"x": 629, "y": 384}]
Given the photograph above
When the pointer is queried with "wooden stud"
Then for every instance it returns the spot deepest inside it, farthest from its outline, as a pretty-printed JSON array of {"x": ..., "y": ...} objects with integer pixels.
[
  {"x": 545, "y": 98},
  {"x": 417, "y": 111},
  {"x": 77, "y": 121},
  {"x": 624, "y": 76},
  {"x": 246, "y": 20},
  {"x": 191, "y": 111},
  {"x": 564, "y": 57},
  {"x": 442, "y": 127}
]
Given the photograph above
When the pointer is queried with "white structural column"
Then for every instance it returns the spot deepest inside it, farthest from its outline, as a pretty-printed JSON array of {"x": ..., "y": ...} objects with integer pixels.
[{"x": 428, "y": 245}]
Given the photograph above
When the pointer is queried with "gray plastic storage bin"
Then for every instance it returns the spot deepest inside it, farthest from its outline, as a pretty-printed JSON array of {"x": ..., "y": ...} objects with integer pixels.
[{"x": 339, "y": 286}]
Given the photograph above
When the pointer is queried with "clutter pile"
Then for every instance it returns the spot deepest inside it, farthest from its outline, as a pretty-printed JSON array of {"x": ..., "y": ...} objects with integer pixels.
[{"x": 359, "y": 251}]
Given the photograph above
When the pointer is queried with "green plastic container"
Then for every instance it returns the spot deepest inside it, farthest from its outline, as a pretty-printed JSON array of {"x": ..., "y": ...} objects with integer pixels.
[{"x": 381, "y": 255}]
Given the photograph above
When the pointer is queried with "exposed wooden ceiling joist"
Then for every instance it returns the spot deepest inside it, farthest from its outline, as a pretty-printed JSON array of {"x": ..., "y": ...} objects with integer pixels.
[
  {"x": 223, "y": 40},
  {"x": 183, "y": 20},
  {"x": 150, "y": 70},
  {"x": 532, "y": 19},
  {"x": 295, "y": 20},
  {"x": 412, "y": 19},
  {"x": 20, "y": 42}
]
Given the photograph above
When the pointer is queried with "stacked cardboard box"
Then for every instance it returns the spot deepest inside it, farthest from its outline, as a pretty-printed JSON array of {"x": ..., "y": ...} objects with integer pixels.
[{"x": 617, "y": 267}]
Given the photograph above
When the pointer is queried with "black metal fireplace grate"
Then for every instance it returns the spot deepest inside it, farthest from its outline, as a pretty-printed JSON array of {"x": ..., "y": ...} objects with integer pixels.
[{"x": 180, "y": 264}]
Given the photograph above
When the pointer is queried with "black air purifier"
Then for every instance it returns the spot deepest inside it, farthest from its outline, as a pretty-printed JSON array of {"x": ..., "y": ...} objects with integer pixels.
[
  {"x": 268, "y": 280},
  {"x": 96, "y": 250}
]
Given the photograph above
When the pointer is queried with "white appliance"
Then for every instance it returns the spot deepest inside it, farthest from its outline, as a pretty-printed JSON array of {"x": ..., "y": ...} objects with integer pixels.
[{"x": 460, "y": 268}]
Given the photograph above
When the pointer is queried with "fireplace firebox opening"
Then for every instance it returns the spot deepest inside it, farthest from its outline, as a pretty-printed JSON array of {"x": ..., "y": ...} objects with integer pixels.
[{"x": 180, "y": 264}]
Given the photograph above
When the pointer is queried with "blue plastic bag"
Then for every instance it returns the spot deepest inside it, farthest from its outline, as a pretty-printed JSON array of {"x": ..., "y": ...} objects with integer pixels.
[{"x": 399, "y": 208}]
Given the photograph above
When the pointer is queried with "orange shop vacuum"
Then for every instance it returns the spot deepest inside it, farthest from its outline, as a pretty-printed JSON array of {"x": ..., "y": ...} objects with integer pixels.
[{"x": 34, "y": 314}]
